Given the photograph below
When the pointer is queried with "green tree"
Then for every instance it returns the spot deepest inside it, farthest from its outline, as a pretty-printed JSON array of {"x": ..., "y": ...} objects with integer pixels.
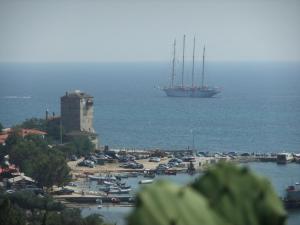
[
  {"x": 93, "y": 219},
  {"x": 1, "y": 127},
  {"x": 34, "y": 123},
  {"x": 23, "y": 154},
  {"x": 52, "y": 127},
  {"x": 47, "y": 166},
  {"x": 13, "y": 138},
  {"x": 51, "y": 169},
  {"x": 82, "y": 145},
  {"x": 10, "y": 215}
]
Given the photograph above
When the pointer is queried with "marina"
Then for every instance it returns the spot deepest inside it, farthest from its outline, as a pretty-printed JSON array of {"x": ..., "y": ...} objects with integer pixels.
[
  {"x": 271, "y": 170},
  {"x": 114, "y": 185}
]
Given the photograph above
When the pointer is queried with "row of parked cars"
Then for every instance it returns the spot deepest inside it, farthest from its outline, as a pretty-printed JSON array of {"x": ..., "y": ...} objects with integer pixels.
[
  {"x": 132, "y": 165},
  {"x": 110, "y": 157},
  {"x": 174, "y": 162},
  {"x": 94, "y": 159}
]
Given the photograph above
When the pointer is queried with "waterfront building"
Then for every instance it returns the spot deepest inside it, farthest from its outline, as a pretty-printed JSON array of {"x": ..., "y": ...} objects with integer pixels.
[{"x": 77, "y": 115}]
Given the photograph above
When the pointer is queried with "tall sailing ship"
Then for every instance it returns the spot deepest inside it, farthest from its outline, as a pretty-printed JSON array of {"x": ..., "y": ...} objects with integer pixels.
[{"x": 202, "y": 91}]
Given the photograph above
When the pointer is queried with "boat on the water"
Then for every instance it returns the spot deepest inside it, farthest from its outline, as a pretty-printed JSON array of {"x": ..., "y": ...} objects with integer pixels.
[
  {"x": 120, "y": 176},
  {"x": 103, "y": 179},
  {"x": 284, "y": 157},
  {"x": 118, "y": 191},
  {"x": 297, "y": 157},
  {"x": 292, "y": 197},
  {"x": 149, "y": 173},
  {"x": 145, "y": 181},
  {"x": 182, "y": 90}
]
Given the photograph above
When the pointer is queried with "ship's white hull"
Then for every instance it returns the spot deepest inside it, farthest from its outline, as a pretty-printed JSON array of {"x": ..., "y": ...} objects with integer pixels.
[{"x": 195, "y": 92}]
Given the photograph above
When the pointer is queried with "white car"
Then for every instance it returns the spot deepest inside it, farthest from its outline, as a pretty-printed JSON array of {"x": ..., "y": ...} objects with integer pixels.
[{"x": 154, "y": 159}]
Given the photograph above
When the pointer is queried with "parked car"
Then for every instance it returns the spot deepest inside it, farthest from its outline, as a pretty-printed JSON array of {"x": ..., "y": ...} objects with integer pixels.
[
  {"x": 123, "y": 159},
  {"x": 175, "y": 160},
  {"x": 154, "y": 159},
  {"x": 139, "y": 166},
  {"x": 87, "y": 163},
  {"x": 172, "y": 164},
  {"x": 64, "y": 191},
  {"x": 132, "y": 165},
  {"x": 73, "y": 158},
  {"x": 189, "y": 159},
  {"x": 162, "y": 166}
]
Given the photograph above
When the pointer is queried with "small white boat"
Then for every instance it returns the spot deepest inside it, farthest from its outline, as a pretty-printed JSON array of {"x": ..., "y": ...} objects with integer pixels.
[
  {"x": 284, "y": 157},
  {"x": 102, "y": 179},
  {"x": 108, "y": 183},
  {"x": 119, "y": 191},
  {"x": 145, "y": 181},
  {"x": 297, "y": 157}
]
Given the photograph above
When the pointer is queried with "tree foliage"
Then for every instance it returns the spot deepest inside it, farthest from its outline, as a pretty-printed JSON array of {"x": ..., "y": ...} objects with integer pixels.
[
  {"x": 52, "y": 127},
  {"x": 35, "y": 123},
  {"x": 10, "y": 215},
  {"x": 36, "y": 159},
  {"x": 51, "y": 169},
  {"x": 44, "y": 210},
  {"x": 1, "y": 127},
  {"x": 80, "y": 145}
]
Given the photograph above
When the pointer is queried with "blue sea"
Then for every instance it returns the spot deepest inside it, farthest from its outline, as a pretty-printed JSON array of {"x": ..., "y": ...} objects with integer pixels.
[{"x": 257, "y": 111}]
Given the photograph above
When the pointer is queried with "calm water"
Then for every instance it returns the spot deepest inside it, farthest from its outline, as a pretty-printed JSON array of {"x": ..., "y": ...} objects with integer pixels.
[{"x": 258, "y": 110}]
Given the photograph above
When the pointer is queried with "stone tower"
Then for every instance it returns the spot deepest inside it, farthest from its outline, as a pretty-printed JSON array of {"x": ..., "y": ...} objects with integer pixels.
[{"x": 77, "y": 109}]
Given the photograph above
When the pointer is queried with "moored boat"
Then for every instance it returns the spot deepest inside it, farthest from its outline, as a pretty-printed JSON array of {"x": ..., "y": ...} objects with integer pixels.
[
  {"x": 292, "y": 197},
  {"x": 297, "y": 157},
  {"x": 102, "y": 178},
  {"x": 118, "y": 191},
  {"x": 145, "y": 181},
  {"x": 284, "y": 157}
]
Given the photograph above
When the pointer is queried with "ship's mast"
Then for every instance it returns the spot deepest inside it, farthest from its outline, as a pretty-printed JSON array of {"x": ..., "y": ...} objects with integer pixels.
[
  {"x": 173, "y": 64},
  {"x": 182, "y": 74},
  {"x": 193, "y": 62},
  {"x": 203, "y": 66}
]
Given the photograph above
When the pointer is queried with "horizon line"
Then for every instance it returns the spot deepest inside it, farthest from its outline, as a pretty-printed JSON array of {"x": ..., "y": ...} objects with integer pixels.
[{"x": 148, "y": 61}]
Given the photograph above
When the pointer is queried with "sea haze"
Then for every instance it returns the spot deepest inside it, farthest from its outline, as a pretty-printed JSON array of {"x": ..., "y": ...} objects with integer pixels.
[{"x": 258, "y": 109}]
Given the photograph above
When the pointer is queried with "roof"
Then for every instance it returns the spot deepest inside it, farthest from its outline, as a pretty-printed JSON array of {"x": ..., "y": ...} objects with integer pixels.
[
  {"x": 10, "y": 169},
  {"x": 77, "y": 93},
  {"x": 20, "y": 178},
  {"x": 23, "y": 132}
]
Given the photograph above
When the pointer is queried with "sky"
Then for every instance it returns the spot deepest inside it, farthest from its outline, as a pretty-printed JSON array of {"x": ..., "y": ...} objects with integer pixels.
[{"x": 143, "y": 30}]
